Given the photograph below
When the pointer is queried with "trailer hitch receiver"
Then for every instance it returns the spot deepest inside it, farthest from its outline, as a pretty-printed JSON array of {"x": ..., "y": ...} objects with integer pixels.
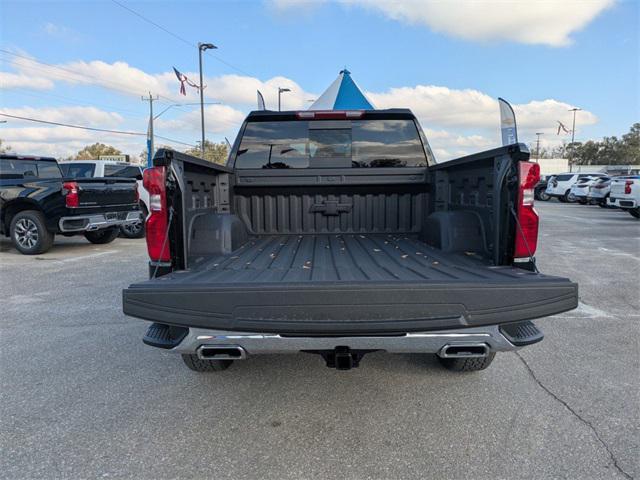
[{"x": 341, "y": 357}]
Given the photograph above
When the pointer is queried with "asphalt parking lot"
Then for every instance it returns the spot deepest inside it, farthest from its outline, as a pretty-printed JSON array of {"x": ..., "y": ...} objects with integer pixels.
[{"x": 82, "y": 397}]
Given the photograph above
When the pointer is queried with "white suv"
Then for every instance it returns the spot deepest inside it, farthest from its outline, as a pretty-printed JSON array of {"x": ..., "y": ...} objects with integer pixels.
[
  {"x": 108, "y": 168},
  {"x": 559, "y": 186}
]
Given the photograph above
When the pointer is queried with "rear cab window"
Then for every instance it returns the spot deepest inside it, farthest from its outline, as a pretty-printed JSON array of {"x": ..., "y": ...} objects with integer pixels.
[
  {"x": 78, "y": 170},
  {"x": 123, "y": 171},
  {"x": 16, "y": 168},
  {"x": 362, "y": 143}
]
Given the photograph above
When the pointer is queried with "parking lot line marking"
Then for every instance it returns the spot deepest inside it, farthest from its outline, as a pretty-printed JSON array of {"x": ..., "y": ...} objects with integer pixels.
[
  {"x": 617, "y": 253},
  {"x": 84, "y": 257}
]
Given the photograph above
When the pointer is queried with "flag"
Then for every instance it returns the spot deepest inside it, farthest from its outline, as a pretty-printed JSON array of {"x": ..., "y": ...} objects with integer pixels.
[
  {"x": 508, "y": 125},
  {"x": 562, "y": 127},
  {"x": 182, "y": 78},
  {"x": 261, "y": 105}
]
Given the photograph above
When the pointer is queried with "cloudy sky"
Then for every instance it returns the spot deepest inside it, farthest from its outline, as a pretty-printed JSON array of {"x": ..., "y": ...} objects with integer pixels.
[{"x": 88, "y": 63}]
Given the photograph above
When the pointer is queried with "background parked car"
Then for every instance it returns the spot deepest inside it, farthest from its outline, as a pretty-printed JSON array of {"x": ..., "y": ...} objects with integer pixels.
[
  {"x": 107, "y": 168},
  {"x": 580, "y": 189},
  {"x": 625, "y": 194},
  {"x": 540, "y": 190},
  {"x": 560, "y": 185},
  {"x": 599, "y": 192}
]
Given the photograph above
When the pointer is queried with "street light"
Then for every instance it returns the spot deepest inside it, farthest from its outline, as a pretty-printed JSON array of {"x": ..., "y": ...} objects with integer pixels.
[
  {"x": 280, "y": 90},
  {"x": 573, "y": 136},
  {"x": 201, "y": 48},
  {"x": 185, "y": 105},
  {"x": 573, "y": 128},
  {"x": 538, "y": 145}
]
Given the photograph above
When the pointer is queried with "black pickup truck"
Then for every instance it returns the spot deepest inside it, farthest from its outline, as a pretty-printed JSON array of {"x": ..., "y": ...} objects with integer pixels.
[
  {"x": 36, "y": 203},
  {"x": 336, "y": 233}
]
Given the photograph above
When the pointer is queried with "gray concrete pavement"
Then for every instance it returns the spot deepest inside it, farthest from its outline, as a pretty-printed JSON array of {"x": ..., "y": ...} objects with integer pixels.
[{"x": 82, "y": 397}]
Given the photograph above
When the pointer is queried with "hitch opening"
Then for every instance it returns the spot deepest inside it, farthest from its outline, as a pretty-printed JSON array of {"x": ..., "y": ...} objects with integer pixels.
[{"x": 341, "y": 357}]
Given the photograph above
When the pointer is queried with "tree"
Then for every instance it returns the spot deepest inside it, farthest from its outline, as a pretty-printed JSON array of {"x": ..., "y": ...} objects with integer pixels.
[
  {"x": 609, "y": 150},
  {"x": 4, "y": 148},
  {"x": 214, "y": 152},
  {"x": 93, "y": 152}
]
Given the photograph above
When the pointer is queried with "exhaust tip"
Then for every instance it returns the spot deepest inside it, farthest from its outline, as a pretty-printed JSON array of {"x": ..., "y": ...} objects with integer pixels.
[
  {"x": 470, "y": 350},
  {"x": 221, "y": 352}
]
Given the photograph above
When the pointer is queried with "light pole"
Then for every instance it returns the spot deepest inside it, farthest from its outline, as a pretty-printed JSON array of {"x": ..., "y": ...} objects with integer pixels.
[
  {"x": 573, "y": 136},
  {"x": 150, "y": 139},
  {"x": 280, "y": 90},
  {"x": 201, "y": 48},
  {"x": 538, "y": 145}
]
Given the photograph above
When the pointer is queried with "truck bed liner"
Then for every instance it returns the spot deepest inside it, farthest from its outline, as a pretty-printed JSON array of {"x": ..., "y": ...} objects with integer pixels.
[{"x": 339, "y": 284}]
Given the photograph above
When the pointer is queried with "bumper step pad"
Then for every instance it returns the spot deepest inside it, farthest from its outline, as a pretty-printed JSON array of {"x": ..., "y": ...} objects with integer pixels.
[
  {"x": 164, "y": 336},
  {"x": 522, "y": 333}
]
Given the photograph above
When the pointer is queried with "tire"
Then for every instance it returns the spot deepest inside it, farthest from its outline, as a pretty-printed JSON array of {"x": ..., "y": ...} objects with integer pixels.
[
  {"x": 569, "y": 197},
  {"x": 29, "y": 233},
  {"x": 135, "y": 230},
  {"x": 198, "y": 365},
  {"x": 635, "y": 212},
  {"x": 604, "y": 202},
  {"x": 562, "y": 199},
  {"x": 582, "y": 202},
  {"x": 541, "y": 195},
  {"x": 473, "y": 364},
  {"x": 100, "y": 237}
]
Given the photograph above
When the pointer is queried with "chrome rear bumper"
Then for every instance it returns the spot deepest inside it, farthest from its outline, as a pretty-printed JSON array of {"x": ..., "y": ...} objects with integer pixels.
[
  {"x": 427, "y": 342},
  {"x": 87, "y": 223}
]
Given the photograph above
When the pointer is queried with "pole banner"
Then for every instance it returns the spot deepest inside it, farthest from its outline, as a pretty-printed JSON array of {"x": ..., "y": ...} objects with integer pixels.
[
  {"x": 261, "y": 105},
  {"x": 508, "y": 125}
]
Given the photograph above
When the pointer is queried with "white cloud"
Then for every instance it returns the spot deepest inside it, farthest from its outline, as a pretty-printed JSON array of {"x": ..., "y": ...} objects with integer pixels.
[
  {"x": 468, "y": 120},
  {"x": 529, "y": 21},
  {"x": 239, "y": 90},
  {"x": 457, "y": 121},
  {"x": 218, "y": 119},
  {"x": 87, "y": 116},
  {"x": 20, "y": 80},
  {"x": 60, "y": 32}
]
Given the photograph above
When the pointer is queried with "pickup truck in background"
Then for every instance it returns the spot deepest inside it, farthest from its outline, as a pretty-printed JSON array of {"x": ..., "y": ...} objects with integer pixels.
[
  {"x": 37, "y": 202},
  {"x": 625, "y": 194},
  {"x": 336, "y": 233},
  {"x": 110, "y": 168}
]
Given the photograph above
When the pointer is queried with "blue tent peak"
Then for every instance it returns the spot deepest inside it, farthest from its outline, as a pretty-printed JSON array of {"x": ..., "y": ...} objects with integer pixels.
[{"x": 342, "y": 94}]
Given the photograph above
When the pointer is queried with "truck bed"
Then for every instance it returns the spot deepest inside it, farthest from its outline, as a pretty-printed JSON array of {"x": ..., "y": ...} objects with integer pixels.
[{"x": 346, "y": 284}]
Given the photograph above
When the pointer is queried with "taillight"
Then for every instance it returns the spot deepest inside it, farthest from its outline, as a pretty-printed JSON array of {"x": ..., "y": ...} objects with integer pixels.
[
  {"x": 527, "y": 233},
  {"x": 154, "y": 180},
  {"x": 71, "y": 192},
  {"x": 627, "y": 187}
]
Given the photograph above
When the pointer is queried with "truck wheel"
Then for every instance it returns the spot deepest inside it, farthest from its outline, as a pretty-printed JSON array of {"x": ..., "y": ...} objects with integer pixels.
[
  {"x": 473, "y": 364},
  {"x": 133, "y": 230},
  {"x": 635, "y": 212},
  {"x": 99, "y": 237},
  {"x": 29, "y": 233},
  {"x": 198, "y": 365}
]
